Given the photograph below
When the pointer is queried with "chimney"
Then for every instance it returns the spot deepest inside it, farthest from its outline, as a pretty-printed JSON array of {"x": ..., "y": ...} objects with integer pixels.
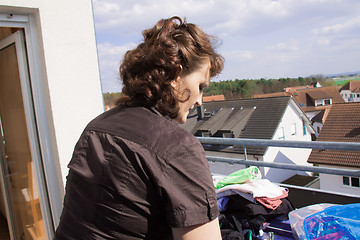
[{"x": 200, "y": 112}]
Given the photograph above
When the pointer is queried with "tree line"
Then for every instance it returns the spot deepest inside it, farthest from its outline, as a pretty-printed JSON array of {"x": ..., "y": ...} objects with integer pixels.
[{"x": 246, "y": 88}]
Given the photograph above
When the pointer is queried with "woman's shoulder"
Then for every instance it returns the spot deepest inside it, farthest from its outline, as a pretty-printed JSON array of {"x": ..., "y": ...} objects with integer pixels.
[{"x": 141, "y": 125}]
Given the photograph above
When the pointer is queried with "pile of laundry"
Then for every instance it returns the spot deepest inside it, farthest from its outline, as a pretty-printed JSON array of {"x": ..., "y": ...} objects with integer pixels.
[{"x": 251, "y": 207}]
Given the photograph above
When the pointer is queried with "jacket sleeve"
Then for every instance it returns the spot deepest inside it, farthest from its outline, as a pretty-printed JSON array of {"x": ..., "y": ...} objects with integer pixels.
[{"x": 186, "y": 186}]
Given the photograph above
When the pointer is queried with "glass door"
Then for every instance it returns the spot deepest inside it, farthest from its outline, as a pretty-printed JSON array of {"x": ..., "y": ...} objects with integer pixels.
[{"x": 18, "y": 143}]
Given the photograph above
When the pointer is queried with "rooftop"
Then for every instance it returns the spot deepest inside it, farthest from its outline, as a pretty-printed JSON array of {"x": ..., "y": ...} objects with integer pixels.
[
  {"x": 353, "y": 86},
  {"x": 243, "y": 118},
  {"x": 342, "y": 125},
  {"x": 213, "y": 98}
]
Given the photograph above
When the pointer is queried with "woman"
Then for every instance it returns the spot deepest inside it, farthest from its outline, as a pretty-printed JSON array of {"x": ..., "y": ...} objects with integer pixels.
[{"x": 135, "y": 173}]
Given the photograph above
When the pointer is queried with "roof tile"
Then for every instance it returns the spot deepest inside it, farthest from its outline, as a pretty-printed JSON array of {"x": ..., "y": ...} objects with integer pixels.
[{"x": 342, "y": 125}]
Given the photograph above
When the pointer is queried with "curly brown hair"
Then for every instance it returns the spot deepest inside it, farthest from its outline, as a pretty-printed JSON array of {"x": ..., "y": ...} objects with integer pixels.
[{"x": 171, "y": 47}]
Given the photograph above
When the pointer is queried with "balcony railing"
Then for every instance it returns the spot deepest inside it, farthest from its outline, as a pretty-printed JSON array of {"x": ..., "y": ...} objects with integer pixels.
[
  {"x": 300, "y": 196},
  {"x": 350, "y": 146}
]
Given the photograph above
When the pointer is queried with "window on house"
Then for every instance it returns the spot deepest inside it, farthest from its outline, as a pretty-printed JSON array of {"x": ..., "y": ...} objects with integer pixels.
[
  {"x": 351, "y": 181},
  {"x": 281, "y": 134},
  {"x": 318, "y": 102},
  {"x": 206, "y": 134},
  {"x": 228, "y": 135},
  {"x": 293, "y": 129},
  {"x": 323, "y": 102},
  {"x": 318, "y": 129},
  {"x": 355, "y": 182},
  {"x": 327, "y": 101},
  {"x": 207, "y": 114},
  {"x": 304, "y": 128},
  {"x": 358, "y": 95}
]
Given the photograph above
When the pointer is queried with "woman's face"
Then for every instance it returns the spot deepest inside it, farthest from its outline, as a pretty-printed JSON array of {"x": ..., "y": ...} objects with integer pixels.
[{"x": 190, "y": 87}]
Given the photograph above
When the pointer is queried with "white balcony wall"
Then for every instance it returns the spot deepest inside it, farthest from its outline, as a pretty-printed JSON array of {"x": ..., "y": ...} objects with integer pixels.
[
  {"x": 69, "y": 66},
  {"x": 334, "y": 183},
  {"x": 290, "y": 128}
]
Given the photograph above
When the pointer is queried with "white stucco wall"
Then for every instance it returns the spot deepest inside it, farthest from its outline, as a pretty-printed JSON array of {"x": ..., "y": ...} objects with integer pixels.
[
  {"x": 310, "y": 115},
  {"x": 220, "y": 168},
  {"x": 68, "y": 47},
  {"x": 296, "y": 156},
  {"x": 334, "y": 183},
  {"x": 349, "y": 96},
  {"x": 274, "y": 154},
  {"x": 317, "y": 126}
]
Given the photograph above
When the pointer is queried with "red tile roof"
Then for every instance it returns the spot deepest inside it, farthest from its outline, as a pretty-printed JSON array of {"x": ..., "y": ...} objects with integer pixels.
[
  {"x": 321, "y": 116},
  {"x": 342, "y": 125},
  {"x": 353, "y": 86},
  {"x": 306, "y": 97},
  {"x": 297, "y": 88},
  {"x": 276, "y": 94},
  {"x": 213, "y": 98}
]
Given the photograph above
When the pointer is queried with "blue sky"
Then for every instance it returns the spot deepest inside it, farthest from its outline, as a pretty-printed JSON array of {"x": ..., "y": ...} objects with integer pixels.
[{"x": 259, "y": 38}]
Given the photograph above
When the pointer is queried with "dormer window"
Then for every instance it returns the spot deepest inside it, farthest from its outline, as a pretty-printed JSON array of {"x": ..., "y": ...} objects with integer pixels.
[
  {"x": 327, "y": 101},
  {"x": 323, "y": 102},
  {"x": 205, "y": 134},
  {"x": 228, "y": 135}
]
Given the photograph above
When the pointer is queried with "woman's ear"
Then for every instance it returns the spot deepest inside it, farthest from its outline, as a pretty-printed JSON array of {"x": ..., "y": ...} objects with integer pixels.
[
  {"x": 180, "y": 69},
  {"x": 176, "y": 82},
  {"x": 173, "y": 83}
]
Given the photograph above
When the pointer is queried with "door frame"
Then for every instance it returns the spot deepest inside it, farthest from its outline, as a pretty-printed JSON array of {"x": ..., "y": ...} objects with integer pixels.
[
  {"x": 17, "y": 39},
  {"x": 38, "y": 115}
]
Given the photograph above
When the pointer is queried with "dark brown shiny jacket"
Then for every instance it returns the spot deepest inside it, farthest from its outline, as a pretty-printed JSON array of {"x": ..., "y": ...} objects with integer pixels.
[{"x": 134, "y": 175}]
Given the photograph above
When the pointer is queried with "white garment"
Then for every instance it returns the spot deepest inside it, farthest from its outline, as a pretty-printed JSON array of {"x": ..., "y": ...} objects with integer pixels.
[{"x": 255, "y": 187}]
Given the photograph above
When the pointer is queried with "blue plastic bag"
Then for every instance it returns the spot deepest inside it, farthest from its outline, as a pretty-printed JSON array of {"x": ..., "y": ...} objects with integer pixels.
[{"x": 339, "y": 222}]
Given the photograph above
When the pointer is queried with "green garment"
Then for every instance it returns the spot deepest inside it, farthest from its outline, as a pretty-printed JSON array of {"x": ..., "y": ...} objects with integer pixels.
[{"x": 240, "y": 176}]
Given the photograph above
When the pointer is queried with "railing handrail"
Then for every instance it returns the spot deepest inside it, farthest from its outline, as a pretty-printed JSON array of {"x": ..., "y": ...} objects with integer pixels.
[
  {"x": 327, "y": 170},
  {"x": 350, "y": 146}
]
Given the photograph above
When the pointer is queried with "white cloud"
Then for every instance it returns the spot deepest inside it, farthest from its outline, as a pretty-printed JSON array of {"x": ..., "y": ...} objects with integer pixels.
[
  {"x": 110, "y": 50},
  {"x": 135, "y": 15},
  {"x": 110, "y": 56},
  {"x": 260, "y": 38},
  {"x": 339, "y": 28},
  {"x": 323, "y": 42},
  {"x": 292, "y": 45},
  {"x": 237, "y": 55}
]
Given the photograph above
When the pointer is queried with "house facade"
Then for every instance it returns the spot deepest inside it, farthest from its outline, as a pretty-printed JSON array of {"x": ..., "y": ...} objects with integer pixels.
[
  {"x": 278, "y": 118},
  {"x": 297, "y": 88},
  {"x": 48, "y": 62},
  {"x": 342, "y": 125},
  {"x": 351, "y": 91},
  {"x": 314, "y": 101},
  {"x": 319, "y": 119}
]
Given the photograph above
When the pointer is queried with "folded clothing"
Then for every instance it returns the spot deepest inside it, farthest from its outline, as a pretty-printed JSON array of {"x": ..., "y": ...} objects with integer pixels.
[
  {"x": 256, "y": 187},
  {"x": 272, "y": 203},
  {"x": 256, "y": 190}
]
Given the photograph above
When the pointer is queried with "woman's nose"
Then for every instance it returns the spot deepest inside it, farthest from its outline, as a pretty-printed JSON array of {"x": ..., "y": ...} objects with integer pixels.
[{"x": 199, "y": 101}]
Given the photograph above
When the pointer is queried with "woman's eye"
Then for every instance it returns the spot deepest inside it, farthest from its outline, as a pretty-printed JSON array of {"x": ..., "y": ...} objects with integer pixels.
[{"x": 201, "y": 87}]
